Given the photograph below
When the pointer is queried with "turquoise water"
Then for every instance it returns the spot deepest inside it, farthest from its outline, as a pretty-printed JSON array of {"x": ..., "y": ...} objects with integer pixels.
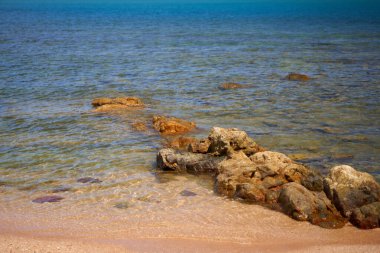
[{"x": 56, "y": 59}]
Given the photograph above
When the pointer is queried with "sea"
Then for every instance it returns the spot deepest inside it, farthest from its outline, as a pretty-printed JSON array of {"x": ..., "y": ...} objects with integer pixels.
[{"x": 56, "y": 58}]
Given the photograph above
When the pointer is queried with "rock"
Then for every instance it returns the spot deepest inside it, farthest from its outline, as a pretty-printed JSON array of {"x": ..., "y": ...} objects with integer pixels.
[
  {"x": 303, "y": 156},
  {"x": 107, "y": 104},
  {"x": 122, "y": 205},
  {"x": 182, "y": 142},
  {"x": 200, "y": 146},
  {"x": 367, "y": 216},
  {"x": 304, "y": 205},
  {"x": 61, "y": 189},
  {"x": 230, "y": 86},
  {"x": 297, "y": 77},
  {"x": 223, "y": 140},
  {"x": 172, "y": 125},
  {"x": 90, "y": 180},
  {"x": 350, "y": 189},
  {"x": 139, "y": 126},
  {"x": 187, "y": 193},
  {"x": 170, "y": 159},
  {"x": 49, "y": 199}
]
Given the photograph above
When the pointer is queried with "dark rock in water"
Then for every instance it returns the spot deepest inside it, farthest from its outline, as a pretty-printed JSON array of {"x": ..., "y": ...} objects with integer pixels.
[
  {"x": 170, "y": 159},
  {"x": 61, "y": 189},
  {"x": 223, "y": 140},
  {"x": 172, "y": 125},
  {"x": 304, "y": 205},
  {"x": 47, "y": 199},
  {"x": 90, "y": 180},
  {"x": 187, "y": 193},
  {"x": 230, "y": 86},
  {"x": 122, "y": 205},
  {"x": 350, "y": 190},
  {"x": 367, "y": 216},
  {"x": 297, "y": 77}
]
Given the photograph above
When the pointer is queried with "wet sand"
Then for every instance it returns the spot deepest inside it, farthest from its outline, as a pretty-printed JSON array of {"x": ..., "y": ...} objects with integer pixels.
[{"x": 220, "y": 225}]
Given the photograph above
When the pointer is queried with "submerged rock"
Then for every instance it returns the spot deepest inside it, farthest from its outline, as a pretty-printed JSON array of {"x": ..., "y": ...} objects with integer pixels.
[
  {"x": 223, "y": 140},
  {"x": 172, "y": 125},
  {"x": 108, "y": 104},
  {"x": 122, "y": 205},
  {"x": 170, "y": 159},
  {"x": 304, "y": 205},
  {"x": 230, "y": 86},
  {"x": 182, "y": 142},
  {"x": 187, "y": 193},
  {"x": 297, "y": 77},
  {"x": 61, "y": 189},
  {"x": 350, "y": 190},
  {"x": 90, "y": 180},
  {"x": 49, "y": 199},
  {"x": 139, "y": 126}
]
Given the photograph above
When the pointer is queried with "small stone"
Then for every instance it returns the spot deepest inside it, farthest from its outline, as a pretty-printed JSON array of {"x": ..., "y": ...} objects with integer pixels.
[
  {"x": 139, "y": 126},
  {"x": 188, "y": 193},
  {"x": 230, "y": 86},
  {"x": 172, "y": 125},
  {"x": 297, "y": 77},
  {"x": 90, "y": 180},
  {"x": 122, "y": 205},
  {"x": 48, "y": 199}
]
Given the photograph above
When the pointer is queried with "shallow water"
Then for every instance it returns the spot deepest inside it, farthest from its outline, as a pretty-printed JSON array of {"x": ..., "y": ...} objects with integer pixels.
[{"x": 54, "y": 61}]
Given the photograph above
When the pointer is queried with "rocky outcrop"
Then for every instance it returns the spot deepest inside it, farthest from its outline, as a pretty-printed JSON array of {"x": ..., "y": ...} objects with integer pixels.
[
  {"x": 353, "y": 192},
  {"x": 230, "y": 86},
  {"x": 297, "y": 77},
  {"x": 304, "y": 205},
  {"x": 243, "y": 170},
  {"x": 108, "y": 104},
  {"x": 172, "y": 125},
  {"x": 171, "y": 159},
  {"x": 223, "y": 140}
]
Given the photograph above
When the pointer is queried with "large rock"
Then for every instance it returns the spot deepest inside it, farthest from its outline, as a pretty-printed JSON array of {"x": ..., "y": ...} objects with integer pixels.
[
  {"x": 107, "y": 104},
  {"x": 304, "y": 205},
  {"x": 350, "y": 190},
  {"x": 172, "y": 125},
  {"x": 223, "y": 140},
  {"x": 264, "y": 173},
  {"x": 171, "y": 159},
  {"x": 367, "y": 216},
  {"x": 297, "y": 77}
]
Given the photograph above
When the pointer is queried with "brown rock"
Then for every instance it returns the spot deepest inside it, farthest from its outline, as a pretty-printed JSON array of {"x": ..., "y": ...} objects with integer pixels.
[
  {"x": 171, "y": 126},
  {"x": 297, "y": 77},
  {"x": 108, "y": 104},
  {"x": 230, "y": 86},
  {"x": 223, "y": 140},
  {"x": 367, "y": 216},
  {"x": 139, "y": 126},
  {"x": 304, "y": 205},
  {"x": 182, "y": 142},
  {"x": 349, "y": 190}
]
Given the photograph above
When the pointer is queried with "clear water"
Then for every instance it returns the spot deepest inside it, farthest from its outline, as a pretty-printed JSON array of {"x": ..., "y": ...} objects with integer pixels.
[{"x": 55, "y": 59}]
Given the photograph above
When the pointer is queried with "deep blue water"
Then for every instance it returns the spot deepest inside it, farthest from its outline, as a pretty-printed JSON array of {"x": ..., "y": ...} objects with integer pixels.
[{"x": 55, "y": 59}]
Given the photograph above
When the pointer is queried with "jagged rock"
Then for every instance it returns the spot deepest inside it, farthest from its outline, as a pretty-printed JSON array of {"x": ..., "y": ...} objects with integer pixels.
[
  {"x": 230, "y": 86},
  {"x": 367, "y": 216},
  {"x": 172, "y": 125},
  {"x": 350, "y": 189},
  {"x": 170, "y": 159},
  {"x": 107, "y": 104},
  {"x": 222, "y": 140},
  {"x": 304, "y": 205},
  {"x": 264, "y": 171},
  {"x": 139, "y": 126},
  {"x": 200, "y": 146},
  {"x": 297, "y": 77}
]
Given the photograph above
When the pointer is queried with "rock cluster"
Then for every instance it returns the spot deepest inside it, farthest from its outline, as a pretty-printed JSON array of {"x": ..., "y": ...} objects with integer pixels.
[{"x": 244, "y": 170}]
